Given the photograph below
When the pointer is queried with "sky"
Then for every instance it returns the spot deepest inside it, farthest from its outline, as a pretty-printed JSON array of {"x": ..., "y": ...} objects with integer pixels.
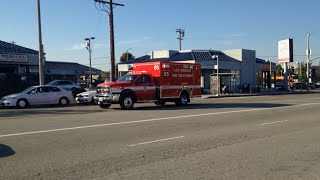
[{"x": 142, "y": 26}]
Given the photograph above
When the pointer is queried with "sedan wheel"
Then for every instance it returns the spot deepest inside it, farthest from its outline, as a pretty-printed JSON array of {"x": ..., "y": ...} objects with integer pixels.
[
  {"x": 22, "y": 103},
  {"x": 63, "y": 101}
]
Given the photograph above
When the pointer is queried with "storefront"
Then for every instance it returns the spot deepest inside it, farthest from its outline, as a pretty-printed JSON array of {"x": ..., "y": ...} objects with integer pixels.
[{"x": 24, "y": 62}]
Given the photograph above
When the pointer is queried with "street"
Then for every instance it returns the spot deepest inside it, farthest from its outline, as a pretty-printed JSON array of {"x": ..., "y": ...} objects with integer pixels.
[{"x": 260, "y": 137}]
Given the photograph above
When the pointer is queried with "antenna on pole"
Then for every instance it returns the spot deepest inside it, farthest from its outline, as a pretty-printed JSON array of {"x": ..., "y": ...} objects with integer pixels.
[
  {"x": 180, "y": 37},
  {"x": 105, "y": 6}
]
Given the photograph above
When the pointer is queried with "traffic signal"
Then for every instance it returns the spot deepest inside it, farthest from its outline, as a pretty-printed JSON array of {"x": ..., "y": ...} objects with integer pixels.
[{"x": 292, "y": 70}]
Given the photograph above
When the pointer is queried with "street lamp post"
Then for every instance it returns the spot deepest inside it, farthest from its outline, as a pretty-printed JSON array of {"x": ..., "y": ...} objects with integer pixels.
[
  {"x": 128, "y": 54},
  {"x": 88, "y": 47},
  {"x": 308, "y": 60},
  {"x": 309, "y": 75},
  {"x": 218, "y": 79}
]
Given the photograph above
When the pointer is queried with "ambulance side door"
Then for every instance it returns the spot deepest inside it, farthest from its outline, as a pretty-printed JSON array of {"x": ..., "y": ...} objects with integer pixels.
[{"x": 145, "y": 88}]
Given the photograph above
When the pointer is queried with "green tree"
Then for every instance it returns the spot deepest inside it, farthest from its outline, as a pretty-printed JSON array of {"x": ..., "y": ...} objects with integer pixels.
[
  {"x": 126, "y": 56},
  {"x": 105, "y": 75},
  {"x": 278, "y": 70},
  {"x": 302, "y": 75}
]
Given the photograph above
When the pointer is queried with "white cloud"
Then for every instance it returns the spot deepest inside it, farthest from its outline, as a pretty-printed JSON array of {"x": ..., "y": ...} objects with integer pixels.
[
  {"x": 77, "y": 47},
  {"x": 82, "y": 46},
  {"x": 98, "y": 46}
]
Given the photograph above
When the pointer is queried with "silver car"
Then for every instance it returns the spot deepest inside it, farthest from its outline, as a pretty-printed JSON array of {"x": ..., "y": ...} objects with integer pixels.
[
  {"x": 66, "y": 84},
  {"x": 38, "y": 95}
]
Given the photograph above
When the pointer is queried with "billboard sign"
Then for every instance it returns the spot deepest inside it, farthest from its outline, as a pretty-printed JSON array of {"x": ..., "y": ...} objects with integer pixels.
[
  {"x": 13, "y": 58},
  {"x": 285, "y": 51}
]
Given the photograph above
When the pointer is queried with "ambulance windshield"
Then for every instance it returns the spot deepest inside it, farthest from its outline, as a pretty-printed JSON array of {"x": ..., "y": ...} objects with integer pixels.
[{"x": 127, "y": 78}]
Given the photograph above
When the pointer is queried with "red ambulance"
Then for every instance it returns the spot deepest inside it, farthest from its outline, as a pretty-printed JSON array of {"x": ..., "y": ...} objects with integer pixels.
[{"x": 157, "y": 82}]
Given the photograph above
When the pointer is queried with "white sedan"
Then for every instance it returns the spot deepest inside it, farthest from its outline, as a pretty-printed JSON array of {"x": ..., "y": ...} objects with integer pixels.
[
  {"x": 38, "y": 95},
  {"x": 86, "y": 97}
]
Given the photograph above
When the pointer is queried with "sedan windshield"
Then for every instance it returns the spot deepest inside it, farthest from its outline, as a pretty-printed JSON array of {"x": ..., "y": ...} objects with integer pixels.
[
  {"x": 53, "y": 83},
  {"x": 127, "y": 78}
]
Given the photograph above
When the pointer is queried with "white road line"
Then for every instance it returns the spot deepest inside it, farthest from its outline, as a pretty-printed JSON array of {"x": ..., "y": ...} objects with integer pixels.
[
  {"x": 160, "y": 140},
  {"x": 150, "y": 120},
  {"x": 273, "y": 122}
]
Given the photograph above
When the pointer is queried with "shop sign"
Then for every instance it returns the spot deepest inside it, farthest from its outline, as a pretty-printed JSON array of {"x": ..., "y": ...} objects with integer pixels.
[
  {"x": 266, "y": 67},
  {"x": 285, "y": 51},
  {"x": 13, "y": 58},
  {"x": 33, "y": 70}
]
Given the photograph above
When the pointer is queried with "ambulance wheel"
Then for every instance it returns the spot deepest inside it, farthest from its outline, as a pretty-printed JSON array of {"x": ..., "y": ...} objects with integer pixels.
[
  {"x": 104, "y": 106},
  {"x": 126, "y": 102},
  {"x": 183, "y": 100},
  {"x": 160, "y": 103}
]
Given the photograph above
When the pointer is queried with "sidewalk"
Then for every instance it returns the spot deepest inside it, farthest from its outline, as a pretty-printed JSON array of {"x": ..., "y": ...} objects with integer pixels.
[{"x": 313, "y": 91}]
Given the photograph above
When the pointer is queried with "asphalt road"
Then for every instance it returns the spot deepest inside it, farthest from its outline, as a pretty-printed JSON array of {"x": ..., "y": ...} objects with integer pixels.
[{"x": 264, "y": 137}]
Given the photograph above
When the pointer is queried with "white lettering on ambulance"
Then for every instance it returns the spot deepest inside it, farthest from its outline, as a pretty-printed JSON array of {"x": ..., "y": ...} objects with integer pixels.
[
  {"x": 182, "y": 75},
  {"x": 185, "y": 70}
]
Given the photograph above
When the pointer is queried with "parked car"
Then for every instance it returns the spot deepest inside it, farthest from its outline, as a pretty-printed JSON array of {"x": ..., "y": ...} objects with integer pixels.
[
  {"x": 317, "y": 85},
  {"x": 312, "y": 85},
  {"x": 300, "y": 85},
  {"x": 66, "y": 84},
  {"x": 86, "y": 97},
  {"x": 280, "y": 87},
  {"x": 38, "y": 95}
]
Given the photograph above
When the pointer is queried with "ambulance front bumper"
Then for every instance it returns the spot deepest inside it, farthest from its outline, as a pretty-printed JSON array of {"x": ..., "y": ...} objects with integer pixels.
[{"x": 107, "y": 98}]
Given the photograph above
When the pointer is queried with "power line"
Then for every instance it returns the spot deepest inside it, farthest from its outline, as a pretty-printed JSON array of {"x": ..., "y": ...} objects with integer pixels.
[{"x": 101, "y": 57}]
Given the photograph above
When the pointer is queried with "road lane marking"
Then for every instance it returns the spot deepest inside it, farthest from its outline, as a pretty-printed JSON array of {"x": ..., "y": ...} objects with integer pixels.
[
  {"x": 273, "y": 122},
  {"x": 160, "y": 140},
  {"x": 150, "y": 120},
  {"x": 129, "y": 122}
]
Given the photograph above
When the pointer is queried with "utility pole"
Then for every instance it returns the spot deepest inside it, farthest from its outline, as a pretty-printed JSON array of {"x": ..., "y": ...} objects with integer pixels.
[
  {"x": 41, "y": 59},
  {"x": 103, "y": 7},
  {"x": 270, "y": 68},
  {"x": 180, "y": 37},
  {"x": 308, "y": 60}
]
